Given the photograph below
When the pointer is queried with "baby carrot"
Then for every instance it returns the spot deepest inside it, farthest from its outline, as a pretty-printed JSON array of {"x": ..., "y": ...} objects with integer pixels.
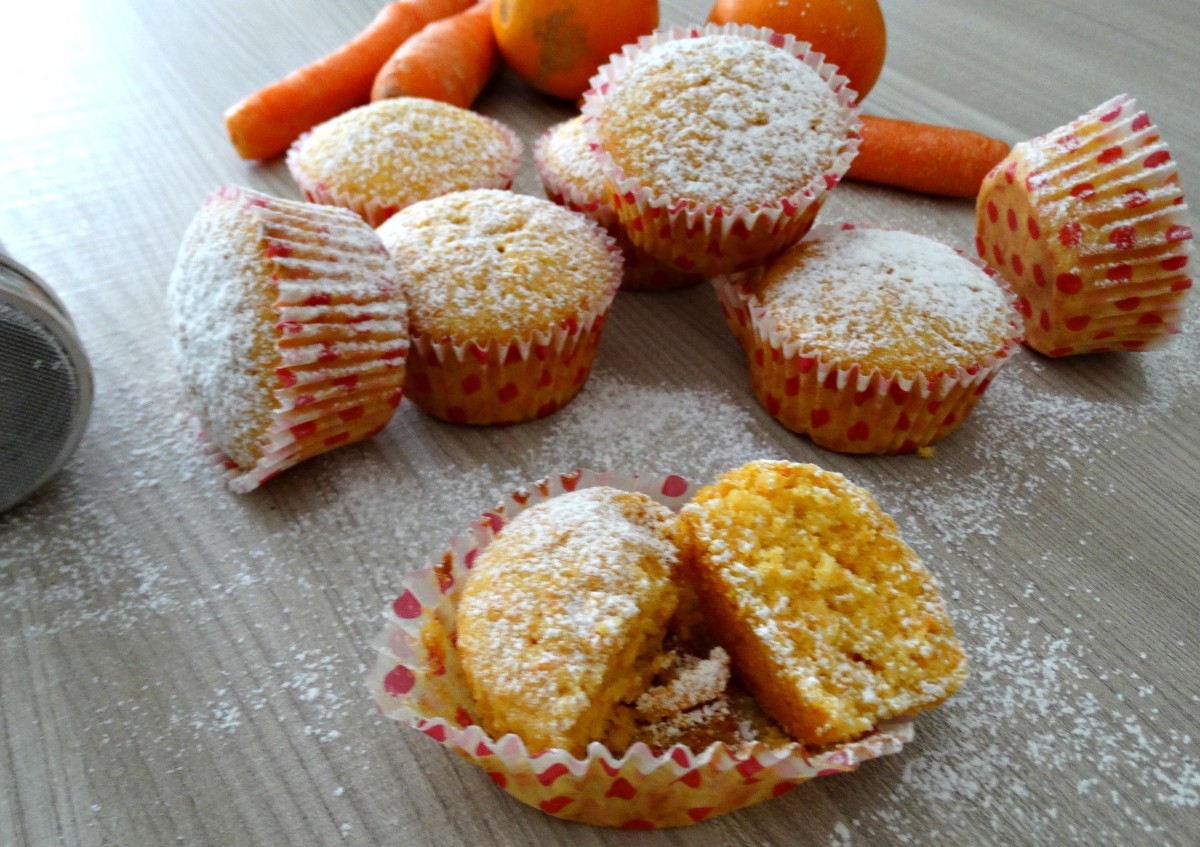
[
  {"x": 450, "y": 60},
  {"x": 924, "y": 157},
  {"x": 263, "y": 124}
]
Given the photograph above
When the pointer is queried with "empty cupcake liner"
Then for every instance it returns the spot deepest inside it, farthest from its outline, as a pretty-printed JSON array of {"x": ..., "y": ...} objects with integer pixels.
[
  {"x": 1087, "y": 223},
  {"x": 846, "y": 407},
  {"x": 642, "y": 271},
  {"x": 714, "y": 239},
  {"x": 376, "y": 209},
  {"x": 416, "y": 680},
  {"x": 341, "y": 335}
]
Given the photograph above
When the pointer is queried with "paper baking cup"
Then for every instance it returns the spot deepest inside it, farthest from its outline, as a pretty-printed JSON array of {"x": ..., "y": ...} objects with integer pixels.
[
  {"x": 376, "y": 209},
  {"x": 1087, "y": 223},
  {"x": 642, "y": 272},
  {"x": 341, "y": 332},
  {"x": 715, "y": 239},
  {"x": 507, "y": 382},
  {"x": 848, "y": 408},
  {"x": 416, "y": 680}
]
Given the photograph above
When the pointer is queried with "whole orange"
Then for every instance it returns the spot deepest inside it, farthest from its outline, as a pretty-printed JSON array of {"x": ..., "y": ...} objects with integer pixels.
[
  {"x": 557, "y": 45},
  {"x": 850, "y": 33}
]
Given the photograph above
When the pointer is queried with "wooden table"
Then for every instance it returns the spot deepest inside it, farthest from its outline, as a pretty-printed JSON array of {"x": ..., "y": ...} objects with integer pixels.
[{"x": 184, "y": 665}]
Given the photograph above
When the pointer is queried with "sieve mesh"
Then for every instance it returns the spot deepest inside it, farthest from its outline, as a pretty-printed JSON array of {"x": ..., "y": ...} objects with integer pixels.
[{"x": 39, "y": 403}]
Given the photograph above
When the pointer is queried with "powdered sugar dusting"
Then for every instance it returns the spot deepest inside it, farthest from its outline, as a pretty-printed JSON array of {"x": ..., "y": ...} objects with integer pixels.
[
  {"x": 568, "y": 153},
  {"x": 495, "y": 265},
  {"x": 723, "y": 119},
  {"x": 896, "y": 300}
]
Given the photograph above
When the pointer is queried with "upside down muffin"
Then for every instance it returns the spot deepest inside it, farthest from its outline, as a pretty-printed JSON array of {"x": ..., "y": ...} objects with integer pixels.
[
  {"x": 564, "y": 616},
  {"x": 290, "y": 330},
  {"x": 829, "y": 618}
]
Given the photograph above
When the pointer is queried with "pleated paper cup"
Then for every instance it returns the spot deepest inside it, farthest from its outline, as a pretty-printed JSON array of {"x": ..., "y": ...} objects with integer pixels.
[
  {"x": 339, "y": 329},
  {"x": 1088, "y": 224},
  {"x": 416, "y": 680},
  {"x": 847, "y": 406},
  {"x": 642, "y": 272},
  {"x": 376, "y": 207},
  {"x": 705, "y": 238}
]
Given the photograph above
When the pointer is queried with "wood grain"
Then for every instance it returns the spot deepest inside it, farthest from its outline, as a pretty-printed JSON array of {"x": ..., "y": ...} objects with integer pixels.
[{"x": 182, "y": 665}]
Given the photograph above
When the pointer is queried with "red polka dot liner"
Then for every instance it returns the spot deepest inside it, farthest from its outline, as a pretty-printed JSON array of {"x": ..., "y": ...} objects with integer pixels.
[
  {"x": 850, "y": 409},
  {"x": 378, "y": 208},
  {"x": 512, "y": 381},
  {"x": 642, "y": 272},
  {"x": 416, "y": 680},
  {"x": 1087, "y": 223},
  {"x": 340, "y": 332},
  {"x": 712, "y": 238}
]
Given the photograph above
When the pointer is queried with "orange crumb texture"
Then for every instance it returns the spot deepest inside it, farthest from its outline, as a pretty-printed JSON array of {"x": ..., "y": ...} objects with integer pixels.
[{"x": 830, "y": 619}]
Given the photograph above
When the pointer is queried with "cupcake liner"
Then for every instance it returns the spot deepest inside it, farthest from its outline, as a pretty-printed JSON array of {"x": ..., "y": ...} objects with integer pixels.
[
  {"x": 1087, "y": 223},
  {"x": 715, "y": 239},
  {"x": 416, "y": 680},
  {"x": 515, "y": 380},
  {"x": 848, "y": 408},
  {"x": 342, "y": 342},
  {"x": 642, "y": 271},
  {"x": 377, "y": 209}
]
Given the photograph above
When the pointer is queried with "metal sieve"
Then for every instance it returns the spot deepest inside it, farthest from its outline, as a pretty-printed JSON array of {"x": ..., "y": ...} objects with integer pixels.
[{"x": 45, "y": 383}]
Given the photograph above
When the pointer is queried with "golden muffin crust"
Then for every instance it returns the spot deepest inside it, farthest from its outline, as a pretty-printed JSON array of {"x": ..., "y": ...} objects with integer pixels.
[
  {"x": 569, "y": 155},
  {"x": 722, "y": 119},
  {"x": 491, "y": 265},
  {"x": 830, "y": 618},
  {"x": 888, "y": 300},
  {"x": 405, "y": 149},
  {"x": 564, "y": 613}
]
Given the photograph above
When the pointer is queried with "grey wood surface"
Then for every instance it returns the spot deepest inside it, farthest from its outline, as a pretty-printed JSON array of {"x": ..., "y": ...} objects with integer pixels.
[{"x": 179, "y": 664}]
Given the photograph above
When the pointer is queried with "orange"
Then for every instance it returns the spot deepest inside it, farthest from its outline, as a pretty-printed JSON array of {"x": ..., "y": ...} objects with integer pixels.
[
  {"x": 850, "y": 33},
  {"x": 557, "y": 45}
]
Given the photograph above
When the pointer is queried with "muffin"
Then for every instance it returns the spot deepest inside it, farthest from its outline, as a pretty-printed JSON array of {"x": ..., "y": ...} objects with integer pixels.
[
  {"x": 572, "y": 177},
  {"x": 672, "y": 774},
  {"x": 379, "y": 158},
  {"x": 871, "y": 340},
  {"x": 719, "y": 144},
  {"x": 564, "y": 614},
  {"x": 829, "y": 618},
  {"x": 507, "y": 297},
  {"x": 1087, "y": 223},
  {"x": 290, "y": 330}
]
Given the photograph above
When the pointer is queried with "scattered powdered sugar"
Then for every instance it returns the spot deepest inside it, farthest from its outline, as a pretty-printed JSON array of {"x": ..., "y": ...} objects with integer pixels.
[
  {"x": 697, "y": 119},
  {"x": 898, "y": 300}
]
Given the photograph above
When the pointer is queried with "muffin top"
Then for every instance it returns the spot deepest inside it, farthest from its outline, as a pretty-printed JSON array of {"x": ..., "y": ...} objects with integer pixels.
[
  {"x": 406, "y": 149},
  {"x": 888, "y": 300},
  {"x": 568, "y": 154},
  {"x": 493, "y": 266},
  {"x": 722, "y": 119},
  {"x": 562, "y": 611}
]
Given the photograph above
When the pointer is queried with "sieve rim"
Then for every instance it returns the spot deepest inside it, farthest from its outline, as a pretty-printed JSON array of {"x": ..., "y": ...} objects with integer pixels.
[{"x": 37, "y": 302}]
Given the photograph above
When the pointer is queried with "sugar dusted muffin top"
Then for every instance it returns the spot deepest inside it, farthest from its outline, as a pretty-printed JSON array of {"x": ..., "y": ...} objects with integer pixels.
[
  {"x": 722, "y": 119},
  {"x": 886, "y": 299},
  {"x": 830, "y": 618},
  {"x": 570, "y": 156},
  {"x": 497, "y": 266},
  {"x": 564, "y": 613},
  {"x": 405, "y": 149}
]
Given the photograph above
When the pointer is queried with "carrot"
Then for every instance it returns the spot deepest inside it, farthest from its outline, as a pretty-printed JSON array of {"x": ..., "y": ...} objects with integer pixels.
[
  {"x": 263, "y": 124},
  {"x": 450, "y": 60},
  {"x": 924, "y": 157}
]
